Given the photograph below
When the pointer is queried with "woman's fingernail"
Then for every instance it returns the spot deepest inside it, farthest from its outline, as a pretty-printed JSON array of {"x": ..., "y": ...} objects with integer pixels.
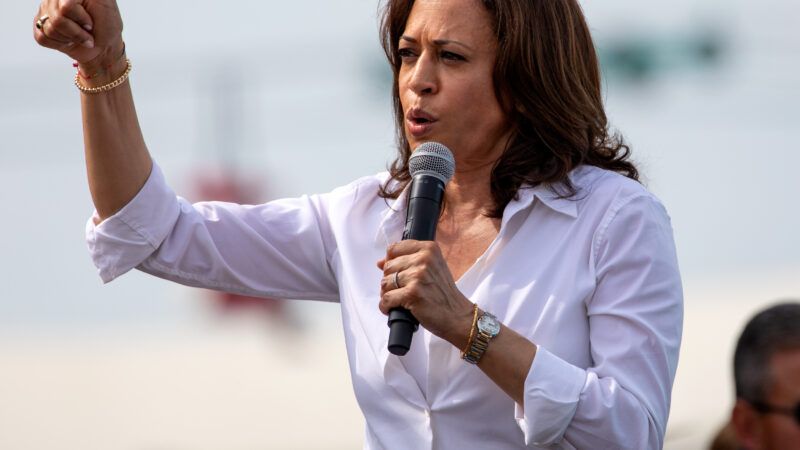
[
  {"x": 87, "y": 27},
  {"x": 88, "y": 43}
]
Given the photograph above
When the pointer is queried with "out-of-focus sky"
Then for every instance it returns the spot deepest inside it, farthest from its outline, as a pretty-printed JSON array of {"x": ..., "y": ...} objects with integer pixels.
[{"x": 296, "y": 95}]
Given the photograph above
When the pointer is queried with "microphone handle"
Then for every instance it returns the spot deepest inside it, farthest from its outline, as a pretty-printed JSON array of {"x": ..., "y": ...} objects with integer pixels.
[{"x": 424, "y": 208}]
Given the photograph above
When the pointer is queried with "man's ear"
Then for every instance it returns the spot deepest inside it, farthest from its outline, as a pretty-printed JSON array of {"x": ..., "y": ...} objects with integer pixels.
[{"x": 746, "y": 421}]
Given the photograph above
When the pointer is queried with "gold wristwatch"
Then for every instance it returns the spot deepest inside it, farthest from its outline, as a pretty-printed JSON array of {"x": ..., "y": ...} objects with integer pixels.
[{"x": 488, "y": 327}]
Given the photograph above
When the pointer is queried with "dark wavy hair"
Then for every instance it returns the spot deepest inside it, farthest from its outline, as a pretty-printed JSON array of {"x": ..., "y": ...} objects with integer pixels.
[{"x": 547, "y": 80}]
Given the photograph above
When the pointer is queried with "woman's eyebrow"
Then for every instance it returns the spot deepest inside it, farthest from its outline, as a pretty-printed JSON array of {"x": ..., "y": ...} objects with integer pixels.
[{"x": 438, "y": 42}]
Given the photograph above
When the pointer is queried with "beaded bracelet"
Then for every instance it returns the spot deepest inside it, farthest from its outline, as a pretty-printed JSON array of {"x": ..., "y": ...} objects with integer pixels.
[
  {"x": 105, "y": 87},
  {"x": 471, "y": 330}
]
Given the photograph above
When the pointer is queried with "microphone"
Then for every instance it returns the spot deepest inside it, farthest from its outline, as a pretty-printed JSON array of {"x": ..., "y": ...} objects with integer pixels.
[{"x": 431, "y": 166}]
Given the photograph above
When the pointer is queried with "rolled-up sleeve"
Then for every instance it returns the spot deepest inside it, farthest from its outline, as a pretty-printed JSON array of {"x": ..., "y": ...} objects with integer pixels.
[
  {"x": 277, "y": 249},
  {"x": 120, "y": 242},
  {"x": 635, "y": 323},
  {"x": 552, "y": 389}
]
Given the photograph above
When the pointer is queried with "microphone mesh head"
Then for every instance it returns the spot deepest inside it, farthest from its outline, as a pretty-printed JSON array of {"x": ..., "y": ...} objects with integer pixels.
[{"x": 432, "y": 158}]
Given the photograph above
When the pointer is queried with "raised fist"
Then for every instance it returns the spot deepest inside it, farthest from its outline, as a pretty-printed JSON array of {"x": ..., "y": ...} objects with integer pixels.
[{"x": 84, "y": 30}]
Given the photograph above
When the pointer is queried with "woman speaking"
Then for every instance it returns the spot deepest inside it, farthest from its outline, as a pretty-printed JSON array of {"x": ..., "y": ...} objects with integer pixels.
[{"x": 549, "y": 303}]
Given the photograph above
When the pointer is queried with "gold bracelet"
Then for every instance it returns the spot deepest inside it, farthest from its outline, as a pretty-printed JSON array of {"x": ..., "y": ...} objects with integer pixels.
[
  {"x": 471, "y": 330},
  {"x": 105, "y": 87}
]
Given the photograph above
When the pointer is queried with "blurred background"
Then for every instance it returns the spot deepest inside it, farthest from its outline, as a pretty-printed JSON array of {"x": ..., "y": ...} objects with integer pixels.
[{"x": 258, "y": 100}]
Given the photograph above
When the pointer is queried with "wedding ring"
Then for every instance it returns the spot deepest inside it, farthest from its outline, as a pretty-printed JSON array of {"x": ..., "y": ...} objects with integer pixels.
[
  {"x": 396, "y": 281},
  {"x": 40, "y": 22}
]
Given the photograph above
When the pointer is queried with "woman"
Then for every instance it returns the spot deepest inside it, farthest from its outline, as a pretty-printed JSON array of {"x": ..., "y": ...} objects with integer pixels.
[{"x": 570, "y": 262}]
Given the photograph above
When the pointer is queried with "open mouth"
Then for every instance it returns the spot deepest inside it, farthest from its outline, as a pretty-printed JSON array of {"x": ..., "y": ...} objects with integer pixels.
[
  {"x": 419, "y": 122},
  {"x": 419, "y": 117}
]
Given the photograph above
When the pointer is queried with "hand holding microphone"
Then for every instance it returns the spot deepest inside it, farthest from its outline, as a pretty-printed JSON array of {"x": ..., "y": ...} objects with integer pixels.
[{"x": 417, "y": 285}]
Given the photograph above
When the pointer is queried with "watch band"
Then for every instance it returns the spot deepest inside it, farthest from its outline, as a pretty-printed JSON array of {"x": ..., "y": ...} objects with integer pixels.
[{"x": 488, "y": 327}]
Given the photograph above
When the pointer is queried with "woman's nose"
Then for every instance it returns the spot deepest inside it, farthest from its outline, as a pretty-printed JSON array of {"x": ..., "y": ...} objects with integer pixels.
[{"x": 424, "y": 80}]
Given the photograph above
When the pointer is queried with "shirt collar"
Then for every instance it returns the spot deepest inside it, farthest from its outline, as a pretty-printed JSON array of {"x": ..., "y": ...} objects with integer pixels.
[
  {"x": 393, "y": 218},
  {"x": 554, "y": 196},
  {"x": 550, "y": 195}
]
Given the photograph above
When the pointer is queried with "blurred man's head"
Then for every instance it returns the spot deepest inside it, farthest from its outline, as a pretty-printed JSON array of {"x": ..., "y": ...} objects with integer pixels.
[{"x": 766, "y": 370}]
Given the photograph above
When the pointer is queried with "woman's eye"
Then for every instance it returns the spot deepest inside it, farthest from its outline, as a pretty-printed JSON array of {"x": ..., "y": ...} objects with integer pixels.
[
  {"x": 451, "y": 56},
  {"x": 405, "y": 53}
]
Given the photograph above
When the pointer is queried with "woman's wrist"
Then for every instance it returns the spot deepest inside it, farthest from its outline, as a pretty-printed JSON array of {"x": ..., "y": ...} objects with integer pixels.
[
  {"x": 461, "y": 327},
  {"x": 109, "y": 65}
]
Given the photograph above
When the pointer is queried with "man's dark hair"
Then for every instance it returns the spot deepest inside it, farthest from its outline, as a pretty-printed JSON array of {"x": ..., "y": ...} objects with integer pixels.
[{"x": 771, "y": 331}]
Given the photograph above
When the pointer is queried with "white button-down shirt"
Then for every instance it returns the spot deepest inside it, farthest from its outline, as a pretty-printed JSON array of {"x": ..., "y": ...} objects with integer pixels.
[{"x": 592, "y": 280}]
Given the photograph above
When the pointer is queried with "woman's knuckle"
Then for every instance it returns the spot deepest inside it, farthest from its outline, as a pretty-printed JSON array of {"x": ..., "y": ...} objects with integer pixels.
[
  {"x": 64, "y": 8},
  {"x": 45, "y": 42},
  {"x": 422, "y": 275},
  {"x": 387, "y": 303},
  {"x": 60, "y": 24}
]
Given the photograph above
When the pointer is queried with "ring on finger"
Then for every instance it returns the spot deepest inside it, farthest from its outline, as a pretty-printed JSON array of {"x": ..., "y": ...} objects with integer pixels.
[
  {"x": 396, "y": 280},
  {"x": 40, "y": 22}
]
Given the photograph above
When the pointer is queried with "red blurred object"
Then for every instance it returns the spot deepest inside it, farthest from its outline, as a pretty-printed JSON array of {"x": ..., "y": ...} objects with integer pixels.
[{"x": 221, "y": 183}]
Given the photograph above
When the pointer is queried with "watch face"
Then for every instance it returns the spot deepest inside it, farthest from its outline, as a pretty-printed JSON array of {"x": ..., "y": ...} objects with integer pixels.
[{"x": 489, "y": 324}]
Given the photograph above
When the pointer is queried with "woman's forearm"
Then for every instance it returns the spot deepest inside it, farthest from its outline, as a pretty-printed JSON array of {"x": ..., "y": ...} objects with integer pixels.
[
  {"x": 507, "y": 360},
  {"x": 117, "y": 160}
]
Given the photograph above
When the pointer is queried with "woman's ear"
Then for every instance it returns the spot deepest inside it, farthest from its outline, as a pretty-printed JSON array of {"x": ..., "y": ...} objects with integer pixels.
[{"x": 747, "y": 423}]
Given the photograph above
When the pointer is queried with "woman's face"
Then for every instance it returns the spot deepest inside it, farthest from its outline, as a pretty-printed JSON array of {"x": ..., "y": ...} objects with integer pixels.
[{"x": 448, "y": 52}]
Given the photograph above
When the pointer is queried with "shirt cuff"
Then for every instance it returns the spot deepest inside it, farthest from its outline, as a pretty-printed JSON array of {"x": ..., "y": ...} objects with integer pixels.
[
  {"x": 552, "y": 390},
  {"x": 122, "y": 241}
]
